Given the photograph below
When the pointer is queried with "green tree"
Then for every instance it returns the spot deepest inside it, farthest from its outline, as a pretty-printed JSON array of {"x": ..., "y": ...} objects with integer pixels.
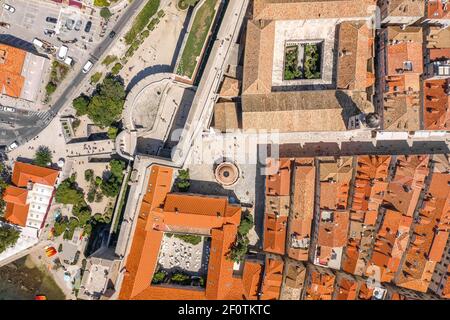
[
  {"x": 50, "y": 88},
  {"x": 183, "y": 180},
  {"x": 67, "y": 193},
  {"x": 43, "y": 156},
  {"x": 91, "y": 195},
  {"x": 88, "y": 175},
  {"x": 105, "y": 13},
  {"x": 106, "y": 104},
  {"x": 8, "y": 237},
  {"x": 111, "y": 187},
  {"x": 87, "y": 229},
  {"x": 112, "y": 132},
  {"x": 246, "y": 223},
  {"x": 117, "y": 167},
  {"x": 83, "y": 218},
  {"x": 81, "y": 104},
  {"x": 60, "y": 227}
]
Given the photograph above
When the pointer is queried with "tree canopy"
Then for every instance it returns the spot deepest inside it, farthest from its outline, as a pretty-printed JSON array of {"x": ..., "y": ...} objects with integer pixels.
[
  {"x": 68, "y": 193},
  {"x": 43, "y": 156},
  {"x": 106, "y": 104},
  {"x": 8, "y": 237}
]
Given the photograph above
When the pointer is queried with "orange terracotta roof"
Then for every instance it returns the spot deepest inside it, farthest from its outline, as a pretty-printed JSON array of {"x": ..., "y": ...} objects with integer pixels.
[
  {"x": 404, "y": 189},
  {"x": 185, "y": 210},
  {"x": 310, "y": 9},
  {"x": 321, "y": 284},
  {"x": 24, "y": 173},
  {"x": 16, "y": 210},
  {"x": 279, "y": 184},
  {"x": 370, "y": 182},
  {"x": 346, "y": 288},
  {"x": 426, "y": 247},
  {"x": 437, "y": 9},
  {"x": 390, "y": 244},
  {"x": 334, "y": 233},
  {"x": 11, "y": 64},
  {"x": 436, "y": 104},
  {"x": 251, "y": 278},
  {"x": 401, "y": 52},
  {"x": 274, "y": 233},
  {"x": 303, "y": 208},
  {"x": 273, "y": 276},
  {"x": 438, "y": 246}
]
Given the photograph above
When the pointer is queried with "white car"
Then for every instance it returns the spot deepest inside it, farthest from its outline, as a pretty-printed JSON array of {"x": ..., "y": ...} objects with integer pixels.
[
  {"x": 87, "y": 66},
  {"x": 12, "y": 146},
  {"x": 8, "y": 109},
  {"x": 9, "y": 8}
]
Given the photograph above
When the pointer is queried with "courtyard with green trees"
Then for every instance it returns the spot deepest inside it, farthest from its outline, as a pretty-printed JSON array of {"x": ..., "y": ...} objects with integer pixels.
[{"x": 302, "y": 61}]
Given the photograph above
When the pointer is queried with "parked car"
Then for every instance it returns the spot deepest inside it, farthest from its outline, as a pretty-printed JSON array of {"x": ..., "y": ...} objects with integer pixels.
[
  {"x": 12, "y": 146},
  {"x": 69, "y": 61},
  {"x": 49, "y": 32},
  {"x": 62, "y": 53},
  {"x": 112, "y": 34},
  {"x": 51, "y": 20},
  {"x": 70, "y": 24},
  {"x": 88, "y": 26},
  {"x": 9, "y": 8},
  {"x": 78, "y": 25},
  {"x": 88, "y": 66},
  {"x": 7, "y": 109}
]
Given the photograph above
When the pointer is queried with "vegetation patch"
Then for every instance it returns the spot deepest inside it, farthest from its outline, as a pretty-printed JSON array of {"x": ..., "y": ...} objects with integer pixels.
[
  {"x": 96, "y": 77},
  {"x": 240, "y": 246},
  {"x": 43, "y": 156},
  {"x": 196, "y": 39},
  {"x": 150, "y": 8},
  {"x": 184, "y": 4},
  {"x": 109, "y": 59},
  {"x": 8, "y": 237},
  {"x": 302, "y": 61},
  {"x": 106, "y": 104},
  {"x": 183, "y": 182},
  {"x": 57, "y": 74},
  {"x": 189, "y": 238}
]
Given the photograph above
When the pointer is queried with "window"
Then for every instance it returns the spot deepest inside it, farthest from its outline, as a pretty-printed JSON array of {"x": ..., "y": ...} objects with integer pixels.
[{"x": 407, "y": 66}]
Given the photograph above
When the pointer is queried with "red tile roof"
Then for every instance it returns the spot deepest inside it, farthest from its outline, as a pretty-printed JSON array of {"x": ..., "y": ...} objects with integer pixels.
[
  {"x": 184, "y": 210},
  {"x": 273, "y": 276},
  {"x": 279, "y": 183},
  {"x": 438, "y": 9},
  {"x": 436, "y": 104},
  {"x": 24, "y": 173},
  {"x": 16, "y": 210},
  {"x": 11, "y": 64}
]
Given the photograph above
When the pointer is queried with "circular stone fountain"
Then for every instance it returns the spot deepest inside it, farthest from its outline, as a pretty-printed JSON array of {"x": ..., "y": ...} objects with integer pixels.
[{"x": 226, "y": 173}]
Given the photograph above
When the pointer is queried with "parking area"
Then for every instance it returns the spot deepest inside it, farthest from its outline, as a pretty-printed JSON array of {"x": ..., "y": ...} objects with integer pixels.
[{"x": 52, "y": 23}]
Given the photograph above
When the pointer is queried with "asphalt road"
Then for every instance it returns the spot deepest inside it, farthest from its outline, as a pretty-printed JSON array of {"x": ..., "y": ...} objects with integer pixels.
[{"x": 24, "y": 126}]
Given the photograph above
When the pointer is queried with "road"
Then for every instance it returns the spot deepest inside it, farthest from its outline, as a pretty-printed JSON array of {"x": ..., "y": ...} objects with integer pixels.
[{"x": 28, "y": 125}]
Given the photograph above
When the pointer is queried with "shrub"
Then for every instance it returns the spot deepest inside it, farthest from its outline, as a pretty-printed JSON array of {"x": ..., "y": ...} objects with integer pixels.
[
  {"x": 8, "y": 237},
  {"x": 105, "y": 13},
  {"x": 96, "y": 77},
  {"x": 189, "y": 238},
  {"x": 50, "y": 88},
  {"x": 109, "y": 59},
  {"x": 116, "y": 69},
  {"x": 141, "y": 20},
  {"x": 80, "y": 104},
  {"x": 158, "y": 277},
  {"x": 89, "y": 175}
]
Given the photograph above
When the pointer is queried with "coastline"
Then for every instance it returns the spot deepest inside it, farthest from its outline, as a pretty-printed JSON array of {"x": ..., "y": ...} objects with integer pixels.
[{"x": 23, "y": 279}]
